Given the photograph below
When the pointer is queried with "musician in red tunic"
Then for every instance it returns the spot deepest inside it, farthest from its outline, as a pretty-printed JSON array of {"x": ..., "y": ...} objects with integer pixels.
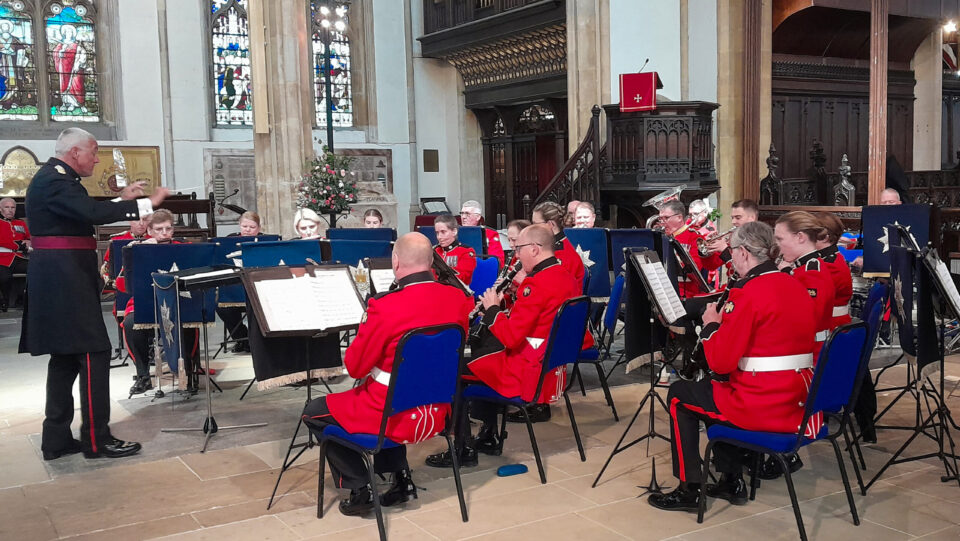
[
  {"x": 462, "y": 259},
  {"x": 741, "y": 211},
  {"x": 137, "y": 231},
  {"x": 513, "y": 234},
  {"x": 419, "y": 301},
  {"x": 761, "y": 337},
  {"x": 508, "y": 353},
  {"x": 14, "y": 251},
  {"x": 472, "y": 215},
  {"x": 672, "y": 218}
]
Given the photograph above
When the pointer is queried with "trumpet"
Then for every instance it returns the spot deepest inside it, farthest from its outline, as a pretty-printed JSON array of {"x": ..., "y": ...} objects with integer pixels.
[{"x": 703, "y": 241}]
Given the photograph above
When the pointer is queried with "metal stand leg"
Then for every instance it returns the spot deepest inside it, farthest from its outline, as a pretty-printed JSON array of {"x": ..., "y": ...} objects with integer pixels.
[{"x": 209, "y": 424}]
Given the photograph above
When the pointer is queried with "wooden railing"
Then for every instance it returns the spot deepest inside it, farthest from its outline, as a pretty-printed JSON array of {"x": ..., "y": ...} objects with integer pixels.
[
  {"x": 442, "y": 14},
  {"x": 579, "y": 178}
]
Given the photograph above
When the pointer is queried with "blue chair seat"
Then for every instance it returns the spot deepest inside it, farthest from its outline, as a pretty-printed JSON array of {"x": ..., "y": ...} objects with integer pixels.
[
  {"x": 775, "y": 441},
  {"x": 483, "y": 392},
  {"x": 590, "y": 355},
  {"x": 366, "y": 441}
]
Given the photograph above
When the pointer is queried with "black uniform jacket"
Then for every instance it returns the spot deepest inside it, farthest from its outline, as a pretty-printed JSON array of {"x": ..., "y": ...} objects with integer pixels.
[{"x": 62, "y": 314}]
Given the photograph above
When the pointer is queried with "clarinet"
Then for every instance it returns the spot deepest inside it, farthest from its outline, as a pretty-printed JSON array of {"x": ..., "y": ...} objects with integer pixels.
[{"x": 506, "y": 280}]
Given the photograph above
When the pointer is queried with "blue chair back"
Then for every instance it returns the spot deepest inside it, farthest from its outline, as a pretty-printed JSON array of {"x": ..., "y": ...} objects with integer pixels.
[
  {"x": 485, "y": 275},
  {"x": 836, "y": 373},
  {"x": 429, "y": 232},
  {"x": 270, "y": 254},
  {"x": 566, "y": 336},
  {"x": 350, "y": 252},
  {"x": 474, "y": 237},
  {"x": 613, "y": 306},
  {"x": 426, "y": 367},
  {"x": 595, "y": 244},
  {"x": 363, "y": 233}
]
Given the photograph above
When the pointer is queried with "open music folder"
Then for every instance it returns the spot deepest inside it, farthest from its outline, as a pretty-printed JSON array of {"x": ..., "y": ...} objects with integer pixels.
[
  {"x": 664, "y": 296},
  {"x": 295, "y": 301}
]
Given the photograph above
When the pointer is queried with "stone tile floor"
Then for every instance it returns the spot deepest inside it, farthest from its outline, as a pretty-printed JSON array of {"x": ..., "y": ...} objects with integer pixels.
[{"x": 172, "y": 491}]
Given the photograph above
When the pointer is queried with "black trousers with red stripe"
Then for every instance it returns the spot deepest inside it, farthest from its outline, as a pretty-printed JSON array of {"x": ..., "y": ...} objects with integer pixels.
[
  {"x": 139, "y": 341},
  {"x": 691, "y": 402},
  {"x": 62, "y": 371},
  {"x": 346, "y": 465}
]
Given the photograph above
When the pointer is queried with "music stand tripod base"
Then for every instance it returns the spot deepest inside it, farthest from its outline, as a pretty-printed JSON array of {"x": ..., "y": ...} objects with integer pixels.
[{"x": 210, "y": 423}]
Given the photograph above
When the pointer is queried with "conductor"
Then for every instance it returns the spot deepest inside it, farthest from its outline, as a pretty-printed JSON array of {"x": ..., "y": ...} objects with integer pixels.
[{"x": 62, "y": 316}]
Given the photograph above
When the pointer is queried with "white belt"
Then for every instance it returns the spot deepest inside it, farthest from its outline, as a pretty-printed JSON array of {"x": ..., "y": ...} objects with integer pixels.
[
  {"x": 6, "y": 250},
  {"x": 841, "y": 310},
  {"x": 776, "y": 363},
  {"x": 381, "y": 377},
  {"x": 822, "y": 336}
]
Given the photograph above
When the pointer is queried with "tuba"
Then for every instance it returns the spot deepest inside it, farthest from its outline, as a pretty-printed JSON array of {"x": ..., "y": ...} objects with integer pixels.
[{"x": 658, "y": 201}]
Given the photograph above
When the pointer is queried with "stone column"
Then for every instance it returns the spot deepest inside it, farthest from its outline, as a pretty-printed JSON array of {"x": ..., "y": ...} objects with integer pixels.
[
  {"x": 766, "y": 95},
  {"x": 588, "y": 64},
  {"x": 283, "y": 108},
  {"x": 877, "y": 169},
  {"x": 752, "y": 23},
  {"x": 730, "y": 115},
  {"x": 927, "y": 65}
]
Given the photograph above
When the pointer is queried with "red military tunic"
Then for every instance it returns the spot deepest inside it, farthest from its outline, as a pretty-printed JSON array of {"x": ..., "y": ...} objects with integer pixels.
[
  {"x": 842, "y": 285},
  {"x": 418, "y": 301},
  {"x": 462, "y": 259},
  {"x": 813, "y": 274},
  {"x": 12, "y": 234},
  {"x": 569, "y": 258},
  {"x": 514, "y": 370},
  {"x": 494, "y": 246},
  {"x": 767, "y": 314},
  {"x": 688, "y": 239}
]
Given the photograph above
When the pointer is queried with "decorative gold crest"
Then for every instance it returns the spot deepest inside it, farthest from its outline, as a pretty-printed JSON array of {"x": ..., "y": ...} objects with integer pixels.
[
  {"x": 812, "y": 292},
  {"x": 526, "y": 291},
  {"x": 727, "y": 308}
]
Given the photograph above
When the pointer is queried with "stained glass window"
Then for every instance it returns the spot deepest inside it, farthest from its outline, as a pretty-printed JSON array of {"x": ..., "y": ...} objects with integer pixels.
[
  {"x": 231, "y": 63},
  {"x": 335, "y": 32},
  {"x": 72, "y": 61},
  {"x": 18, "y": 72}
]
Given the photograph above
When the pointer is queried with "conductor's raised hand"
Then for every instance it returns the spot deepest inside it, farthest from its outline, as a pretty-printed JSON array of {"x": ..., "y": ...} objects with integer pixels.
[
  {"x": 133, "y": 190},
  {"x": 158, "y": 195},
  {"x": 491, "y": 298}
]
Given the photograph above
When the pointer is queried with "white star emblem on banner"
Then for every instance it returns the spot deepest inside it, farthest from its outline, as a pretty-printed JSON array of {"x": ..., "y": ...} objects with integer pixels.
[
  {"x": 585, "y": 257},
  {"x": 166, "y": 322},
  {"x": 885, "y": 239}
]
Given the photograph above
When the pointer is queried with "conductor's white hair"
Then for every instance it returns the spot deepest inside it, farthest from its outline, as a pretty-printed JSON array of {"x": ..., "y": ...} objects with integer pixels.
[
  {"x": 71, "y": 138},
  {"x": 472, "y": 204}
]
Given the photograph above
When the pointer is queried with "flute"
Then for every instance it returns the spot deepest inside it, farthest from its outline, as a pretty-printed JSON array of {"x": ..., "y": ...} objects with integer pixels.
[{"x": 507, "y": 280}]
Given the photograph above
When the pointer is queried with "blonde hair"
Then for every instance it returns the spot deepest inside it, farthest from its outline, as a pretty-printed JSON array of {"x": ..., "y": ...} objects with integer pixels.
[{"x": 305, "y": 214}]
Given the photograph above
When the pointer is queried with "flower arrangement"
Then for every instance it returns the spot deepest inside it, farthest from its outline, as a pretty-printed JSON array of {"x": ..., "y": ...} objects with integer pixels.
[{"x": 328, "y": 186}]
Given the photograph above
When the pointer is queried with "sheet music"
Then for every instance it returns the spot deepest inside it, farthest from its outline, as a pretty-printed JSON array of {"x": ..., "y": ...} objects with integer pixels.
[
  {"x": 668, "y": 302},
  {"x": 286, "y": 304},
  {"x": 381, "y": 279},
  {"x": 336, "y": 296},
  {"x": 943, "y": 274}
]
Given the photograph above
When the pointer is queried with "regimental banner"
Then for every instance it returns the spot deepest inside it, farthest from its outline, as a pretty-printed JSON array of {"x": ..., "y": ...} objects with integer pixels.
[
  {"x": 638, "y": 91},
  {"x": 168, "y": 317},
  {"x": 877, "y": 220}
]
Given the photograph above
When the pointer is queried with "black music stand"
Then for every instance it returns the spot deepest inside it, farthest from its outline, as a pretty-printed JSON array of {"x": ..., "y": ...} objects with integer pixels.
[
  {"x": 936, "y": 424},
  {"x": 200, "y": 280},
  {"x": 273, "y": 323},
  {"x": 666, "y": 308}
]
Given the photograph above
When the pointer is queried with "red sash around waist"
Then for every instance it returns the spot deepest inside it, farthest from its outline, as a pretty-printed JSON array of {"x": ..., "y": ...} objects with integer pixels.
[{"x": 64, "y": 243}]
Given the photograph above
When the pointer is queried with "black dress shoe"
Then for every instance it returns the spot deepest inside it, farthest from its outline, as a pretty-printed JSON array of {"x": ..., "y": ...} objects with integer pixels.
[
  {"x": 869, "y": 434},
  {"x": 359, "y": 503},
  {"x": 681, "y": 499},
  {"x": 143, "y": 384},
  {"x": 538, "y": 413},
  {"x": 732, "y": 489},
  {"x": 400, "y": 491},
  {"x": 241, "y": 347},
  {"x": 770, "y": 469},
  {"x": 468, "y": 459},
  {"x": 71, "y": 449},
  {"x": 113, "y": 448},
  {"x": 489, "y": 442}
]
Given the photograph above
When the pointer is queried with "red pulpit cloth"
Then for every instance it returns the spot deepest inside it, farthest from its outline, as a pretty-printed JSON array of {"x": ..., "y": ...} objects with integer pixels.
[{"x": 638, "y": 91}]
